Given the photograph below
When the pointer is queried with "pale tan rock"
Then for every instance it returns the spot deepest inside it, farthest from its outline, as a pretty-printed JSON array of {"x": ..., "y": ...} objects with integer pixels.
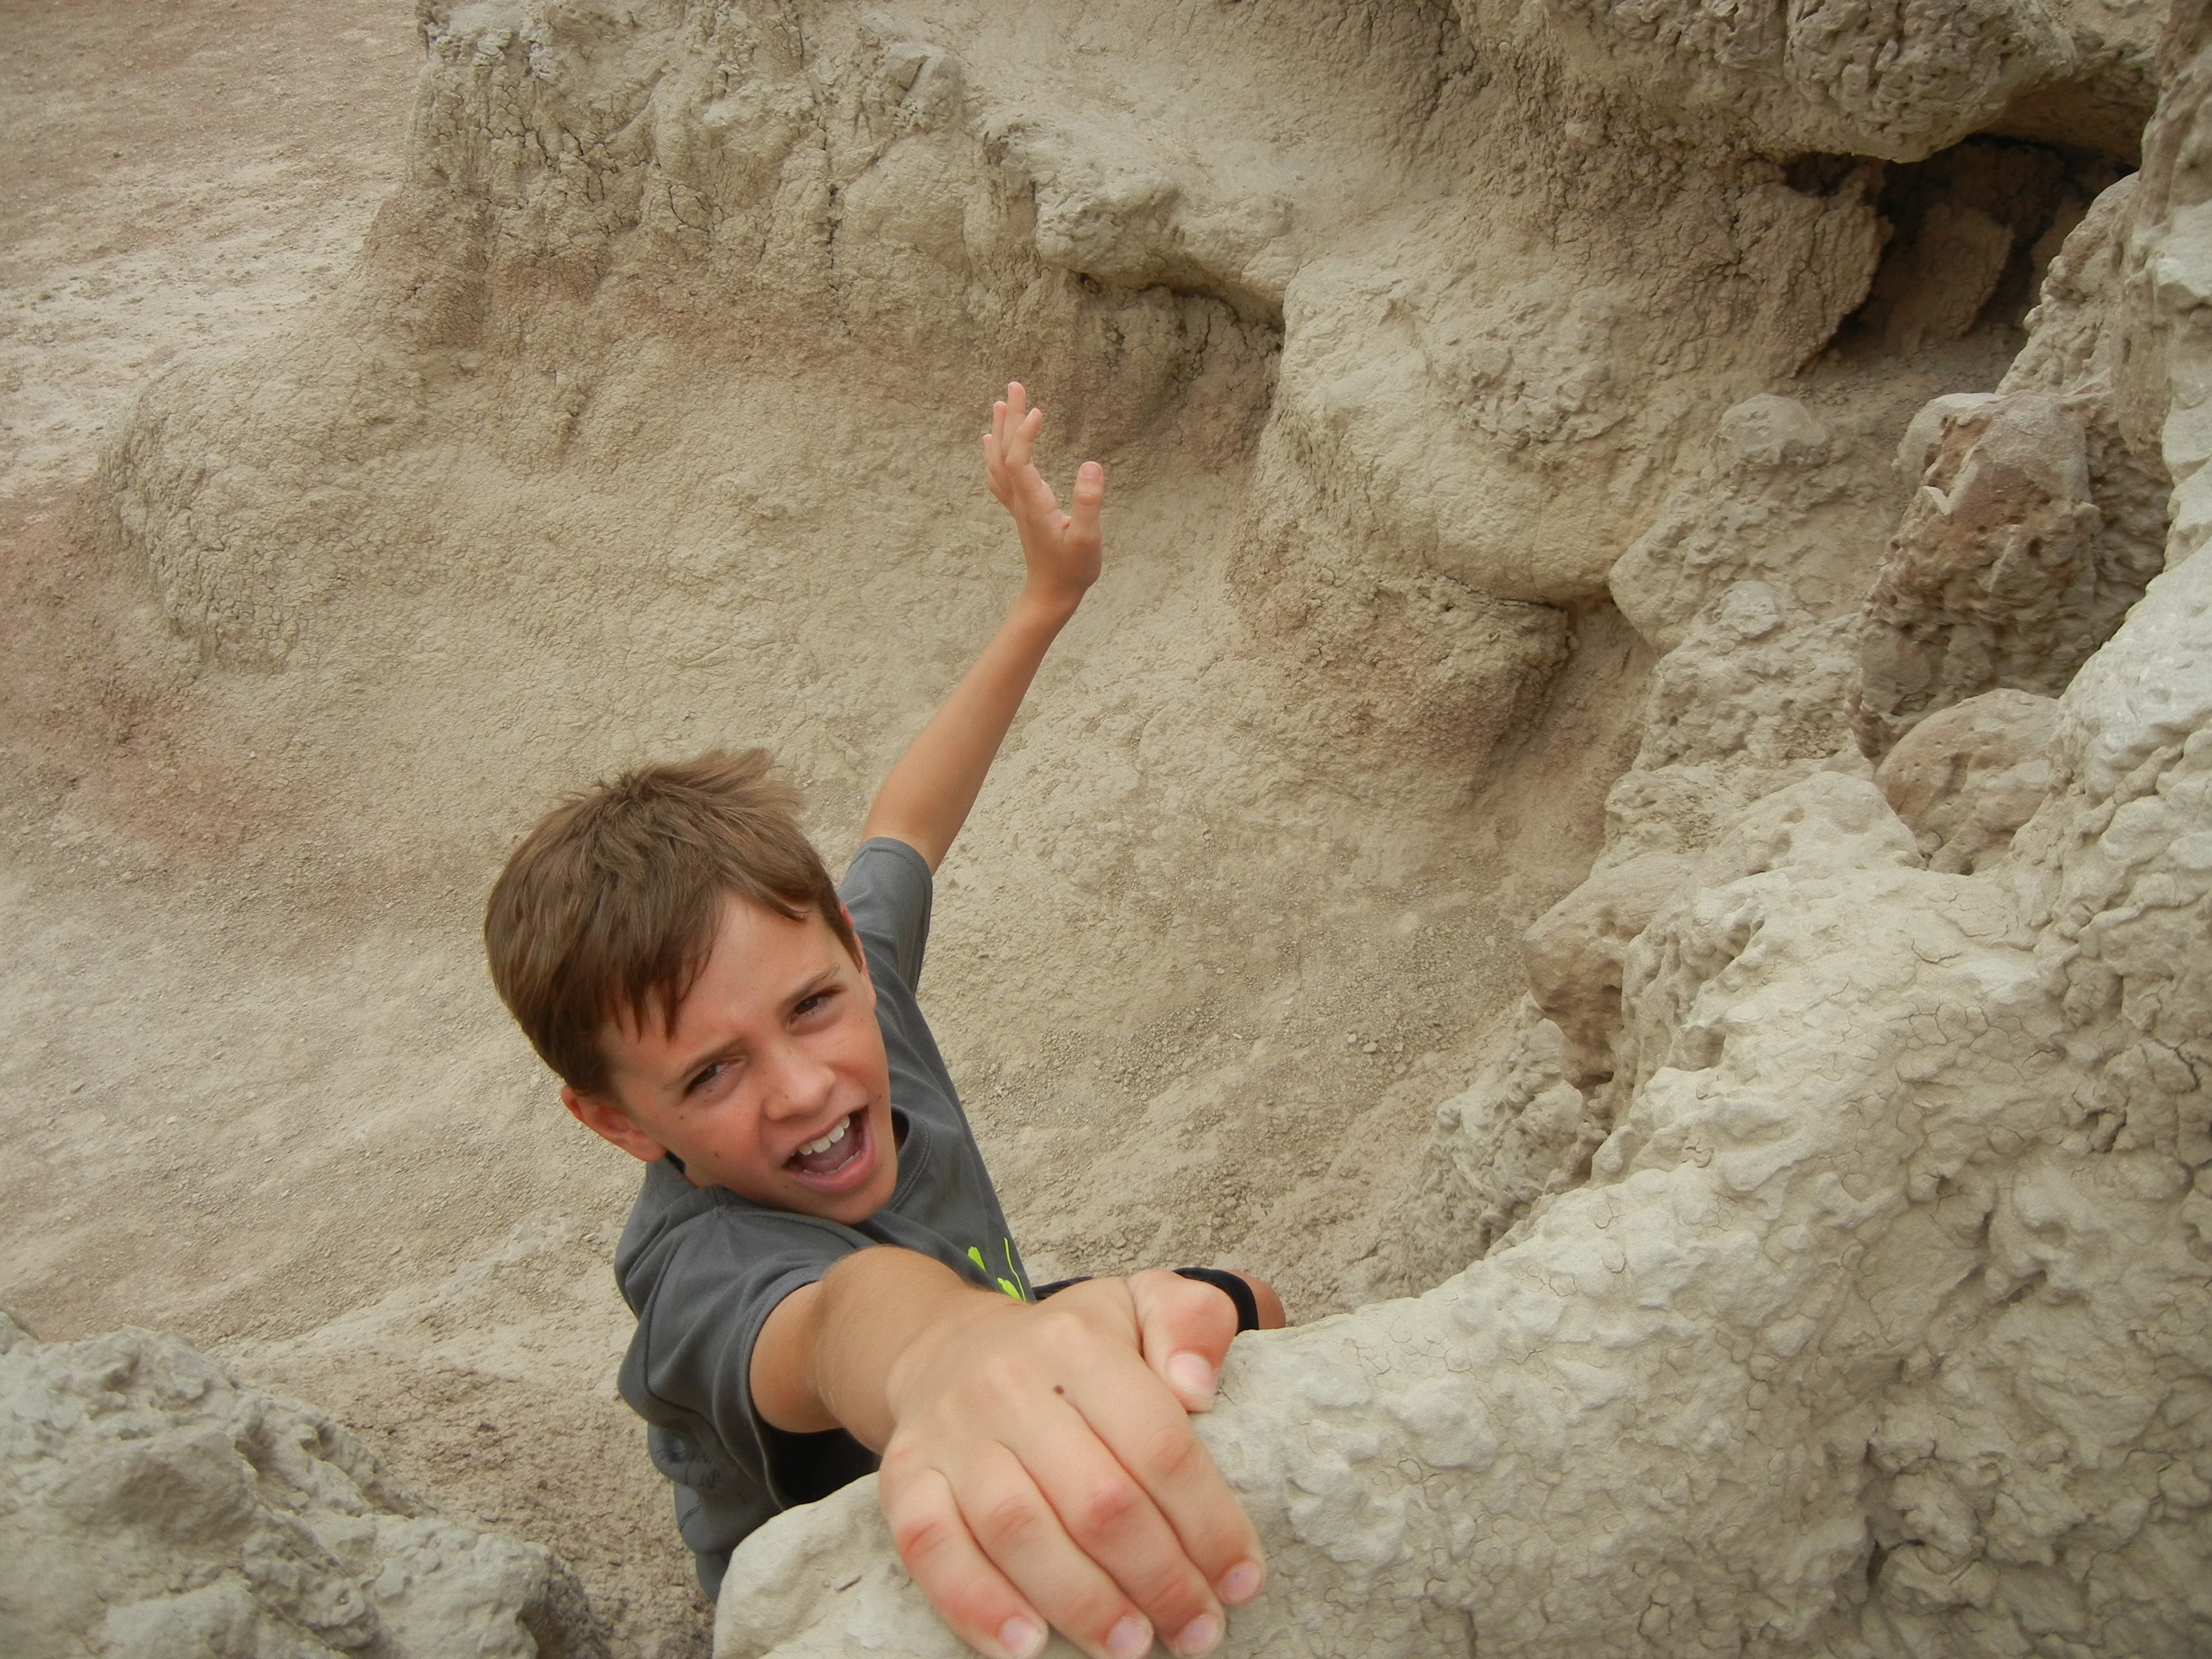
[
  {"x": 1494, "y": 1150},
  {"x": 1573, "y": 956},
  {"x": 1966, "y": 779},
  {"x": 1898, "y": 84},
  {"x": 2002, "y": 573},
  {"x": 1781, "y": 500},
  {"x": 1873, "y": 1328},
  {"x": 1754, "y": 696},
  {"x": 1485, "y": 426},
  {"x": 2040, "y": 512},
  {"x": 1530, "y": 1122},
  {"x": 1917, "y": 449},
  {"x": 157, "y": 1506},
  {"x": 1830, "y": 1219},
  {"x": 2112, "y": 86},
  {"x": 2074, "y": 331},
  {"x": 2161, "y": 311}
]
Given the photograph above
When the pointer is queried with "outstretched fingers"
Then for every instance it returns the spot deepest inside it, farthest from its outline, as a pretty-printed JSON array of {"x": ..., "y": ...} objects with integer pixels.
[
  {"x": 1063, "y": 550},
  {"x": 978, "y": 1600},
  {"x": 1009, "y": 460},
  {"x": 1020, "y": 426},
  {"x": 1151, "y": 1434},
  {"x": 970, "y": 1537},
  {"x": 995, "y": 452}
]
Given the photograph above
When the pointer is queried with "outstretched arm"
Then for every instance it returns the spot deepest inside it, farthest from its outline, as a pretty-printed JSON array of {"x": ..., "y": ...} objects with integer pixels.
[{"x": 925, "y": 799}]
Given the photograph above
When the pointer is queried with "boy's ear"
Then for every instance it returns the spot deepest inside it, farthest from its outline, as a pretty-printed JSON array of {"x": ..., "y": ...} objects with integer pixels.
[{"x": 610, "y": 1122}]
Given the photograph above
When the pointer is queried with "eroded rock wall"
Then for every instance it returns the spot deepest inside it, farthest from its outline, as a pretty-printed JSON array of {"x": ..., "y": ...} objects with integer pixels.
[
  {"x": 1158, "y": 240},
  {"x": 1866, "y": 1313}
]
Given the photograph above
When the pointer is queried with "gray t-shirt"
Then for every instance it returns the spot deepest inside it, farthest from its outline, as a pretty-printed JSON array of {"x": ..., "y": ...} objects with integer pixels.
[{"x": 702, "y": 1268}]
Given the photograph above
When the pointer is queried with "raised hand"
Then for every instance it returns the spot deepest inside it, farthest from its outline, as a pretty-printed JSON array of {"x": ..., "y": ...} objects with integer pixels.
[{"x": 1060, "y": 549}]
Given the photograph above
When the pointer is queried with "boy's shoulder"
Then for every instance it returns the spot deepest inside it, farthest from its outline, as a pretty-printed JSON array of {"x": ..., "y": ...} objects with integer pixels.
[
  {"x": 669, "y": 1210},
  {"x": 692, "y": 1254},
  {"x": 889, "y": 892}
]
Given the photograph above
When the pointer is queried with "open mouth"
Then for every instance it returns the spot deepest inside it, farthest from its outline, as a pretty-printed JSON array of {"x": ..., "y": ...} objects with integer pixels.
[{"x": 834, "y": 1153}]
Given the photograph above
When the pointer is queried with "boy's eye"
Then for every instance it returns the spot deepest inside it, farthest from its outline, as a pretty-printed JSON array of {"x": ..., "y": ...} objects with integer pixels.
[
  {"x": 707, "y": 1074},
  {"x": 808, "y": 1005}
]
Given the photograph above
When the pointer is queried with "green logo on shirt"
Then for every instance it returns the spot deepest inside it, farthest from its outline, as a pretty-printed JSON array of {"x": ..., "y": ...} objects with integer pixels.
[{"x": 1012, "y": 1286}]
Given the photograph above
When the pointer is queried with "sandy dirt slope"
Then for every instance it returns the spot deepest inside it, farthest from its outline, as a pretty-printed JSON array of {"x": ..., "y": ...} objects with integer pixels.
[{"x": 187, "y": 1060}]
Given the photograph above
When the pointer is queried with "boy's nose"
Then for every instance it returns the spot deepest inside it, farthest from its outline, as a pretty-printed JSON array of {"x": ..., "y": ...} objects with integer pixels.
[{"x": 798, "y": 1084}]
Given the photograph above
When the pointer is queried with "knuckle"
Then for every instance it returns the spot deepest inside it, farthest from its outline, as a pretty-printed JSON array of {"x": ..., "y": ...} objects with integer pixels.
[
  {"x": 1062, "y": 1329},
  {"x": 1108, "y": 1508},
  {"x": 1008, "y": 1521},
  {"x": 1172, "y": 1453},
  {"x": 902, "y": 1460},
  {"x": 1001, "y": 1379},
  {"x": 1208, "y": 1303},
  {"x": 919, "y": 1536}
]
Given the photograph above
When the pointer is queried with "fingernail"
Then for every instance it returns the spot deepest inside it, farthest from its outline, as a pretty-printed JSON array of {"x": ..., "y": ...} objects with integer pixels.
[
  {"x": 1130, "y": 1639},
  {"x": 1192, "y": 1377},
  {"x": 1202, "y": 1635},
  {"x": 1240, "y": 1583},
  {"x": 1022, "y": 1638}
]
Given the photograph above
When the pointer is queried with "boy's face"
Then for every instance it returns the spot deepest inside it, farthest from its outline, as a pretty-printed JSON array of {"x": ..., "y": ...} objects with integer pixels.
[{"x": 774, "y": 1052}]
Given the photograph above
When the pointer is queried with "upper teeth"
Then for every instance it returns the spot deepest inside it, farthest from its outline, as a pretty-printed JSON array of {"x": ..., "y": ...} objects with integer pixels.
[{"x": 827, "y": 1140}]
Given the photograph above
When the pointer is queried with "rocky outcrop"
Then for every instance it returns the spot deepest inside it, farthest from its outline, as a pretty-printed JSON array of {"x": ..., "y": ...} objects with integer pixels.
[
  {"x": 931, "y": 189},
  {"x": 1874, "y": 1323},
  {"x": 1849, "y": 1344},
  {"x": 2002, "y": 573},
  {"x": 1965, "y": 780},
  {"x": 1895, "y": 83},
  {"x": 1574, "y": 957},
  {"x": 154, "y": 1506},
  {"x": 2041, "y": 511}
]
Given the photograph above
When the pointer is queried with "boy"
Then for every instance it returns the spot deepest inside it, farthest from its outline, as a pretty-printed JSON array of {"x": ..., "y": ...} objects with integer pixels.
[{"x": 821, "y": 1271}]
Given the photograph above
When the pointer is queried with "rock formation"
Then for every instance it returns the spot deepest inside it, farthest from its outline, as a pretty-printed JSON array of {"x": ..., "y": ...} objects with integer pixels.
[
  {"x": 1875, "y": 1323},
  {"x": 1879, "y": 1324},
  {"x": 1966, "y": 779},
  {"x": 155, "y": 1506},
  {"x": 1823, "y": 1266}
]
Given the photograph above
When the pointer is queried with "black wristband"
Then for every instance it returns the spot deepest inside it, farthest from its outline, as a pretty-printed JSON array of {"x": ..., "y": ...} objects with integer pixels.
[{"x": 1248, "y": 1306}]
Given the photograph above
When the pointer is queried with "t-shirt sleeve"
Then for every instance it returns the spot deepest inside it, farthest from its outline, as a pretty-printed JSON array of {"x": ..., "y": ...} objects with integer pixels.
[
  {"x": 689, "y": 1369},
  {"x": 887, "y": 887}
]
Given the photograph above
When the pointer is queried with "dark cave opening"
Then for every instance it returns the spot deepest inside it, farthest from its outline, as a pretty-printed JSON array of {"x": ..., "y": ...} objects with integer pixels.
[{"x": 1968, "y": 235}]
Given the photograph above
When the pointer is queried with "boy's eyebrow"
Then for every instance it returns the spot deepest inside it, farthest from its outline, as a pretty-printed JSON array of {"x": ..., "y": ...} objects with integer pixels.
[{"x": 806, "y": 987}]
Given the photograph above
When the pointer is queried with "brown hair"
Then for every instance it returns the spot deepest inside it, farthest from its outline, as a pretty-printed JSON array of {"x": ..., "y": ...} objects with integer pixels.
[{"x": 611, "y": 904}]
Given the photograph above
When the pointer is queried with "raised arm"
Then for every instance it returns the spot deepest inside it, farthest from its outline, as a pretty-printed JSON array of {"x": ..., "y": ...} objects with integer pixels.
[{"x": 925, "y": 799}]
